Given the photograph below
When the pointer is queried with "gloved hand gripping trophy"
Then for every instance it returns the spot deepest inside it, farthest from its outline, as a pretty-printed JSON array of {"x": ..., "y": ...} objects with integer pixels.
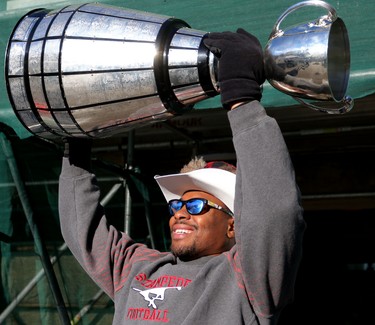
[{"x": 241, "y": 71}]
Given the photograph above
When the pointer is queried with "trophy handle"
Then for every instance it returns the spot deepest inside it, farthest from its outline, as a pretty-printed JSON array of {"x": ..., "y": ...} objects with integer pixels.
[
  {"x": 332, "y": 15},
  {"x": 347, "y": 102}
]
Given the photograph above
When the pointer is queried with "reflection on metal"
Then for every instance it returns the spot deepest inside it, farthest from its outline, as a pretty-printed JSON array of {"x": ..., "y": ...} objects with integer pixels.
[
  {"x": 94, "y": 70},
  {"x": 311, "y": 60}
]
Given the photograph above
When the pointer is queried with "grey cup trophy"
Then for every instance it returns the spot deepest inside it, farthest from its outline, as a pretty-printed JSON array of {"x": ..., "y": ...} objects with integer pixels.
[{"x": 95, "y": 70}]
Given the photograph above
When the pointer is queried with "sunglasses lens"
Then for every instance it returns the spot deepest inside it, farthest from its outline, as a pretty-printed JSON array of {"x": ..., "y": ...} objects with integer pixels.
[
  {"x": 174, "y": 206},
  {"x": 195, "y": 206}
]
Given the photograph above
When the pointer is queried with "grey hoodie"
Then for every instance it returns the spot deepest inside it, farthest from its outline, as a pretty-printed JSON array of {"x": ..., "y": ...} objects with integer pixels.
[{"x": 250, "y": 284}]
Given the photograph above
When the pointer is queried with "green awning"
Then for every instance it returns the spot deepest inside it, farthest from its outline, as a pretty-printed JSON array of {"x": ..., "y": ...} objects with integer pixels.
[{"x": 254, "y": 16}]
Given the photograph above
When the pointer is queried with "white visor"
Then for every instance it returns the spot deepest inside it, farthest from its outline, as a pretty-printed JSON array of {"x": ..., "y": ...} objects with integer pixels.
[{"x": 217, "y": 182}]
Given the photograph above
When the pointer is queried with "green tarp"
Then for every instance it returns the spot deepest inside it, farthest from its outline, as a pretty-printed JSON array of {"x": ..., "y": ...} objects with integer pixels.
[
  {"x": 258, "y": 17},
  {"x": 39, "y": 165}
]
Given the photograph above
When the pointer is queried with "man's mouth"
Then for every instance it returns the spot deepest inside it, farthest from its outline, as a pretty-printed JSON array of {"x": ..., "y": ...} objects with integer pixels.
[{"x": 182, "y": 231}]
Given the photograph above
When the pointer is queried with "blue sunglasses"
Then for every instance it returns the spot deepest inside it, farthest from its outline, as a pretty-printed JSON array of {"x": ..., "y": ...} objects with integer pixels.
[{"x": 194, "y": 206}]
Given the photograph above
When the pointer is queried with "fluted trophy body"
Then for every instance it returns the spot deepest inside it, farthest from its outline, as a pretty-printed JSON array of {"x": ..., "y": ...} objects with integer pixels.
[{"x": 96, "y": 70}]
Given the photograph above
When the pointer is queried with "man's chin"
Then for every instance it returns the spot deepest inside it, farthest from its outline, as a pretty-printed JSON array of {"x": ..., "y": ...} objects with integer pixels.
[{"x": 184, "y": 253}]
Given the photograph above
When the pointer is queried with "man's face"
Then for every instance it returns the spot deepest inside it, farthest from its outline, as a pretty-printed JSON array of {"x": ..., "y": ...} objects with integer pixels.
[{"x": 208, "y": 233}]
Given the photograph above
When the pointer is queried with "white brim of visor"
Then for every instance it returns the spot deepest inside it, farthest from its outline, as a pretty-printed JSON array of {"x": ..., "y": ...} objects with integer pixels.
[{"x": 217, "y": 182}]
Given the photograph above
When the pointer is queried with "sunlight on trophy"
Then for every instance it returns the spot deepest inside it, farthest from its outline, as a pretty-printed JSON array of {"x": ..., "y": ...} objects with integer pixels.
[
  {"x": 311, "y": 60},
  {"x": 96, "y": 70}
]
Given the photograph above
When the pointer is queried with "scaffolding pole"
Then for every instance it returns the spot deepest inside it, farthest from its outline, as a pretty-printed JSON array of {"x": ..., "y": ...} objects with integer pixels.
[
  {"x": 39, "y": 245},
  {"x": 128, "y": 199},
  {"x": 41, "y": 251},
  {"x": 7, "y": 311}
]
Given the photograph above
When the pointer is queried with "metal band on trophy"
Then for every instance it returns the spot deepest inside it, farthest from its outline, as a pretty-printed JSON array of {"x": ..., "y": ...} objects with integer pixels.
[{"x": 95, "y": 70}]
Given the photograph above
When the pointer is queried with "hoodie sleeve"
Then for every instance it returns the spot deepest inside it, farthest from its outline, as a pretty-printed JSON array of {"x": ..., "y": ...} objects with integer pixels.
[
  {"x": 268, "y": 215},
  {"x": 105, "y": 253}
]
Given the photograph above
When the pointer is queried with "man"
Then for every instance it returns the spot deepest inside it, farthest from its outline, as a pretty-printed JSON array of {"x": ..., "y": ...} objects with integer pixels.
[{"x": 236, "y": 238}]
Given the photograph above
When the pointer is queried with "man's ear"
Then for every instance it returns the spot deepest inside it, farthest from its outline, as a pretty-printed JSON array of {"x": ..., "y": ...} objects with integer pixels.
[{"x": 230, "y": 229}]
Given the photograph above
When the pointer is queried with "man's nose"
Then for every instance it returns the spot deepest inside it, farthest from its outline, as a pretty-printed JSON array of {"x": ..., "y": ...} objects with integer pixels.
[{"x": 182, "y": 214}]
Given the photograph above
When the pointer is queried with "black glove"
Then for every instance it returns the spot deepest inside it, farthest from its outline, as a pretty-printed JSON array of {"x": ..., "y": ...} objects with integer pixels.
[
  {"x": 78, "y": 150},
  {"x": 241, "y": 70}
]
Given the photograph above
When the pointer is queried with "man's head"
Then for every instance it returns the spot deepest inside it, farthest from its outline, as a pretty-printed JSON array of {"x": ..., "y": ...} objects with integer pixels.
[{"x": 201, "y": 201}]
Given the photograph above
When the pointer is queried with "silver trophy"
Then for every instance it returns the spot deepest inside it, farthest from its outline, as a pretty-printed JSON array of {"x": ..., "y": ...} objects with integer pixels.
[
  {"x": 311, "y": 60},
  {"x": 97, "y": 71}
]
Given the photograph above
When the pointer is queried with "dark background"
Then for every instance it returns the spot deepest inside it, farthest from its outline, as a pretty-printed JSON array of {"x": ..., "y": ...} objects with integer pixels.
[{"x": 334, "y": 159}]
